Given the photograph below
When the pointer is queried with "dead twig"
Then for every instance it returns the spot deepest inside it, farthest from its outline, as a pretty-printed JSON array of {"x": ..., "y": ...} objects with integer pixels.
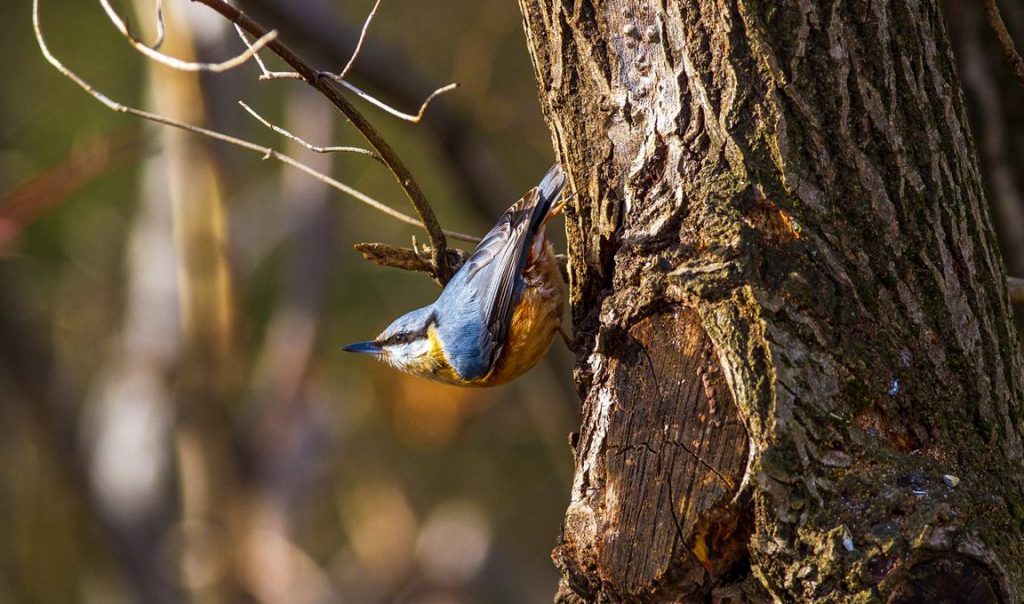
[
  {"x": 359, "y": 43},
  {"x": 311, "y": 147},
  {"x": 160, "y": 33},
  {"x": 469, "y": 162},
  {"x": 407, "y": 259},
  {"x": 265, "y": 74},
  {"x": 415, "y": 118},
  {"x": 409, "y": 117},
  {"x": 324, "y": 85},
  {"x": 995, "y": 19},
  {"x": 151, "y": 52},
  {"x": 267, "y": 152}
]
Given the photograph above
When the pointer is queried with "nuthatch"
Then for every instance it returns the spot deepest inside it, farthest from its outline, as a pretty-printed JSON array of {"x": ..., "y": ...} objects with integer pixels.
[{"x": 497, "y": 316}]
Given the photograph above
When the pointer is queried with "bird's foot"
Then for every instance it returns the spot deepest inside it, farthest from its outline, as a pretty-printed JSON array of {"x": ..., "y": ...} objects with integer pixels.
[{"x": 573, "y": 344}]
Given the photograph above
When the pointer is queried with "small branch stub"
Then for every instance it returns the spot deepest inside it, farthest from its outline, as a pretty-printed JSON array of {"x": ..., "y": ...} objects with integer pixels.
[{"x": 408, "y": 259}]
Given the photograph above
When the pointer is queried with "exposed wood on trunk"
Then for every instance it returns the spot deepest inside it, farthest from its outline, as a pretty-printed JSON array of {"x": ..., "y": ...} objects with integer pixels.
[
  {"x": 790, "y": 190},
  {"x": 682, "y": 457}
]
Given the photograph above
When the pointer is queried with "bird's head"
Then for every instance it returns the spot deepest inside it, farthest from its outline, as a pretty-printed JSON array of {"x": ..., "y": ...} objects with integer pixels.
[{"x": 410, "y": 343}]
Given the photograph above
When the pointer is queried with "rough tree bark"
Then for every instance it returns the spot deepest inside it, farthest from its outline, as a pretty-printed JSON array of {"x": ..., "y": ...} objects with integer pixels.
[{"x": 799, "y": 376}]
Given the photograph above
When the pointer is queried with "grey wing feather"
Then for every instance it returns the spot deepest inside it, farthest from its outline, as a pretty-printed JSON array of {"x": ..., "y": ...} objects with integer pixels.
[
  {"x": 495, "y": 270},
  {"x": 505, "y": 255}
]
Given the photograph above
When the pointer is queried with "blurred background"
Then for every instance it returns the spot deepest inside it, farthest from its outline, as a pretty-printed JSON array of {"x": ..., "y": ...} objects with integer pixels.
[{"x": 177, "y": 421}]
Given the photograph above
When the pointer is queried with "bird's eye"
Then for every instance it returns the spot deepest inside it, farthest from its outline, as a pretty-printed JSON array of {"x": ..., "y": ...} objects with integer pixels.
[{"x": 400, "y": 338}]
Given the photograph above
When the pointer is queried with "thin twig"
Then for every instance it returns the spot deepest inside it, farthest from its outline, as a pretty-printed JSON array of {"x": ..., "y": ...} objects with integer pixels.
[
  {"x": 311, "y": 147},
  {"x": 469, "y": 162},
  {"x": 160, "y": 32},
  {"x": 359, "y": 44},
  {"x": 409, "y": 117},
  {"x": 176, "y": 63},
  {"x": 401, "y": 173},
  {"x": 995, "y": 19},
  {"x": 265, "y": 74},
  {"x": 281, "y": 75},
  {"x": 267, "y": 152},
  {"x": 417, "y": 258},
  {"x": 416, "y": 118},
  {"x": 340, "y": 78}
]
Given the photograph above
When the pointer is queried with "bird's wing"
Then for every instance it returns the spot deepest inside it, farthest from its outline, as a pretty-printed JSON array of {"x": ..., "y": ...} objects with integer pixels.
[
  {"x": 497, "y": 266},
  {"x": 494, "y": 272}
]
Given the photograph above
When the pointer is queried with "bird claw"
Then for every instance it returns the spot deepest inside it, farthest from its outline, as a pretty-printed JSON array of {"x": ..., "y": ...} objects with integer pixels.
[{"x": 573, "y": 344}]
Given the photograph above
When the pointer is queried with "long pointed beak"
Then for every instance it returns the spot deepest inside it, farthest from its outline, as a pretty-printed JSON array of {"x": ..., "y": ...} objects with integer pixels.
[{"x": 368, "y": 347}]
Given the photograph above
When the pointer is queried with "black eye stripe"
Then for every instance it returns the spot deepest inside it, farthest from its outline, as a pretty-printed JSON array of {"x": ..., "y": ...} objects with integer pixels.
[
  {"x": 405, "y": 337},
  {"x": 402, "y": 338}
]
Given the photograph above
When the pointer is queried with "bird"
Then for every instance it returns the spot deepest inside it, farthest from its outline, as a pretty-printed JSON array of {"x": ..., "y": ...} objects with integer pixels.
[{"x": 496, "y": 317}]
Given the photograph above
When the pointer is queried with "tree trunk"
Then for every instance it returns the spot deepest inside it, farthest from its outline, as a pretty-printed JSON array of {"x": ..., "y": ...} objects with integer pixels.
[{"x": 799, "y": 376}]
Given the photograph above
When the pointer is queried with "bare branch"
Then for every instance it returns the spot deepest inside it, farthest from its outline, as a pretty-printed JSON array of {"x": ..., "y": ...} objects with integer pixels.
[
  {"x": 281, "y": 75},
  {"x": 311, "y": 147},
  {"x": 394, "y": 163},
  {"x": 160, "y": 32},
  {"x": 417, "y": 258},
  {"x": 265, "y": 74},
  {"x": 267, "y": 152},
  {"x": 469, "y": 162},
  {"x": 389, "y": 109},
  {"x": 340, "y": 78},
  {"x": 404, "y": 258},
  {"x": 359, "y": 44},
  {"x": 176, "y": 63},
  {"x": 995, "y": 19},
  {"x": 293, "y": 75}
]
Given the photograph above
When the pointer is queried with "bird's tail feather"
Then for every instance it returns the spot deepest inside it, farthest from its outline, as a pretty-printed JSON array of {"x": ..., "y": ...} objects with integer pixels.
[{"x": 547, "y": 191}]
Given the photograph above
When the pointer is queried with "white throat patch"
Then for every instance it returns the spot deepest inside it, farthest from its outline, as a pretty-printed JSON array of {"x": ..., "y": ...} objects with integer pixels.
[{"x": 409, "y": 354}]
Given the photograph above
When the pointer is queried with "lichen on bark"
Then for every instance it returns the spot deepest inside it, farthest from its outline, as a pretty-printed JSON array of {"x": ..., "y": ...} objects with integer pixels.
[{"x": 780, "y": 215}]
